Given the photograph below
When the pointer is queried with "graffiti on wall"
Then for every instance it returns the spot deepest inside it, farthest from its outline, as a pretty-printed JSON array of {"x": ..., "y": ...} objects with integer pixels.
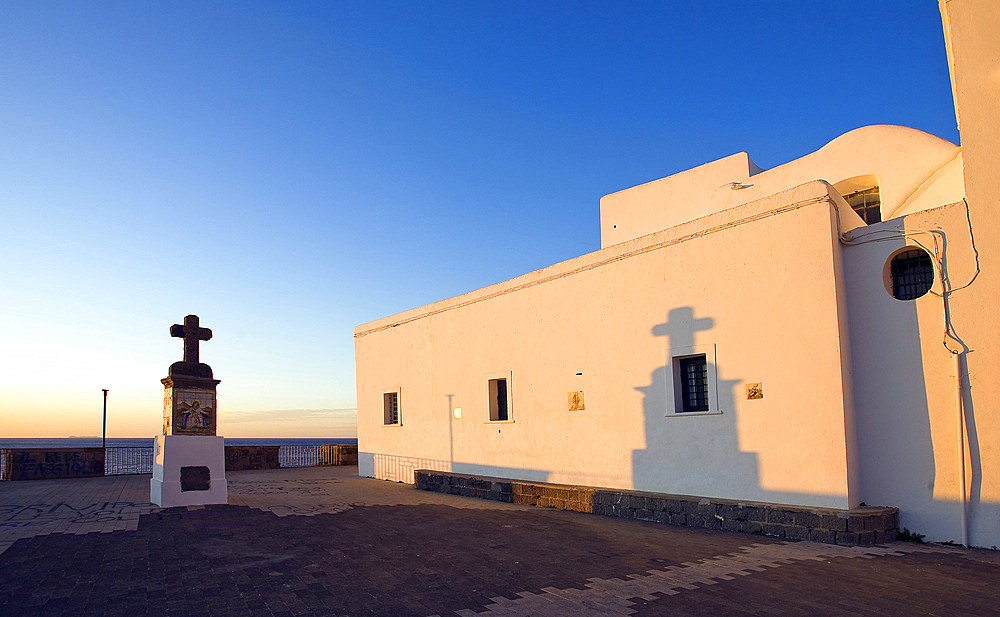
[
  {"x": 251, "y": 457},
  {"x": 29, "y": 464}
]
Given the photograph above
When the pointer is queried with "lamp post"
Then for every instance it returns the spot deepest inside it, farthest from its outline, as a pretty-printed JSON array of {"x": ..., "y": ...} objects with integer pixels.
[{"x": 104, "y": 425}]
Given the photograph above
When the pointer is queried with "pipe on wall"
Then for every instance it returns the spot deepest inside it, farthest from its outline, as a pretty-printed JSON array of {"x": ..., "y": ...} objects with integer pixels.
[{"x": 960, "y": 408}]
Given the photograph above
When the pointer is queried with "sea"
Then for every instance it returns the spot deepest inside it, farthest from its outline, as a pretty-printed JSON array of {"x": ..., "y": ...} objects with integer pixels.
[{"x": 95, "y": 442}]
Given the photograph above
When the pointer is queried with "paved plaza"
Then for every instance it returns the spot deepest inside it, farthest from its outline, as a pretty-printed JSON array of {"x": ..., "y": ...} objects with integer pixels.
[{"x": 322, "y": 541}]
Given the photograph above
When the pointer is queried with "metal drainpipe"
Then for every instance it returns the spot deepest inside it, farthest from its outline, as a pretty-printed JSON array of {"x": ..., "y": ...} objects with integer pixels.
[{"x": 961, "y": 446}]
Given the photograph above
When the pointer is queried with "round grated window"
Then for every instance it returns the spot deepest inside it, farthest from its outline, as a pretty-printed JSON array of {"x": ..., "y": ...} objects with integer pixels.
[{"x": 911, "y": 273}]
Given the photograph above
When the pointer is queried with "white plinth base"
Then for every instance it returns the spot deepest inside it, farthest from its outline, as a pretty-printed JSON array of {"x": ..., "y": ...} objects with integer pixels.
[{"x": 171, "y": 452}]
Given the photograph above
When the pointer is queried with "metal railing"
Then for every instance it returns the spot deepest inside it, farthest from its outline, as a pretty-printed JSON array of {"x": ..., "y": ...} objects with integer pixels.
[
  {"x": 123, "y": 460},
  {"x": 300, "y": 456}
]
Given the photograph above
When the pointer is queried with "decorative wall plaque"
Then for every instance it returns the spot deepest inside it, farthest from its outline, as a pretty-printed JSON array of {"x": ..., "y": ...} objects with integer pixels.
[
  {"x": 755, "y": 390},
  {"x": 576, "y": 401}
]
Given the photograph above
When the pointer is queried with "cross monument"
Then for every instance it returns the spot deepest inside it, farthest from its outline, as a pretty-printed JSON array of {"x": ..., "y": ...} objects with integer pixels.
[{"x": 189, "y": 460}]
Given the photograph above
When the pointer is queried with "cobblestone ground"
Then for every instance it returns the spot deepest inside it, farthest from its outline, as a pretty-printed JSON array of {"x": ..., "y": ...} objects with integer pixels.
[{"x": 321, "y": 541}]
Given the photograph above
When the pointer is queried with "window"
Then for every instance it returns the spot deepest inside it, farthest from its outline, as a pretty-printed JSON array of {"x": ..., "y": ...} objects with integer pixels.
[
  {"x": 390, "y": 408},
  {"x": 692, "y": 380},
  {"x": 498, "y": 395},
  {"x": 867, "y": 204},
  {"x": 694, "y": 383},
  {"x": 911, "y": 274}
]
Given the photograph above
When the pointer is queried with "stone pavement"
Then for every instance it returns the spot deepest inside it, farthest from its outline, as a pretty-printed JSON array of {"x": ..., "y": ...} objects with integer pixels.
[{"x": 321, "y": 541}]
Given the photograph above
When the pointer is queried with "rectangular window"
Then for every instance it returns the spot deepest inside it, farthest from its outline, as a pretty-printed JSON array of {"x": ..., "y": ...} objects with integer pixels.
[
  {"x": 691, "y": 380},
  {"x": 694, "y": 383},
  {"x": 390, "y": 407},
  {"x": 499, "y": 410}
]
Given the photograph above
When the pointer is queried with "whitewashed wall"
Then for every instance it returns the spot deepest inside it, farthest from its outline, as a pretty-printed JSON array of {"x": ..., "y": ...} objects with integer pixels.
[
  {"x": 974, "y": 56},
  {"x": 905, "y": 392},
  {"x": 762, "y": 287}
]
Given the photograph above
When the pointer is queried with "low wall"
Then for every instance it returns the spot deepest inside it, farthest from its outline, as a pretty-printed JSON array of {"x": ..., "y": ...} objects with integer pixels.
[
  {"x": 252, "y": 457},
  {"x": 339, "y": 454},
  {"x": 49, "y": 463},
  {"x": 268, "y": 457},
  {"x": 858, "y": 526}
]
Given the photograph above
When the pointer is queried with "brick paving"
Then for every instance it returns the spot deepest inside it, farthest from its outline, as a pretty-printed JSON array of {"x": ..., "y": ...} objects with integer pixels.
[{"x": 321, "y": 541}]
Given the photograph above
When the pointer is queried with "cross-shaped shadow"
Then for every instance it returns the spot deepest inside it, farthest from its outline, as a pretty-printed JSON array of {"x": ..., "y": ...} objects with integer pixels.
[{"x": 697, "y": 454}]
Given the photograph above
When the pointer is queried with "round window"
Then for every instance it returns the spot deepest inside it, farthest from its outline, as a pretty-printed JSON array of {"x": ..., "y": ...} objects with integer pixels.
[{"x": 909, "y": 273}]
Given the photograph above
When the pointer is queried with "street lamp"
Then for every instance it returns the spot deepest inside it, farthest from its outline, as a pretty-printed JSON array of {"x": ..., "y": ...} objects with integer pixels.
[{"x": 104, "y": 427}]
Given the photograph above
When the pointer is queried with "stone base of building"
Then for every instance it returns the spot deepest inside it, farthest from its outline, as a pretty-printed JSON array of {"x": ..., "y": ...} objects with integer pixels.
[
  {"x": 188, "y": 471},
  {"x": 857, "y": 526}
]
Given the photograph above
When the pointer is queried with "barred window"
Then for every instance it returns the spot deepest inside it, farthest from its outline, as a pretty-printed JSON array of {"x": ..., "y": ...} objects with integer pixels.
[
  {"x": 390, "y": 407},
  {"x": 912, "y": 274},
  {"x": 694, "y": 383},
  {"x": 498, "y": 400},
  {"x": 867, "y": 204}
]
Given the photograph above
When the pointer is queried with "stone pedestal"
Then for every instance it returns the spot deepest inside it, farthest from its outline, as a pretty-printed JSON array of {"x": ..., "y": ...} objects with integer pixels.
[{"x": 188, "y": 470}]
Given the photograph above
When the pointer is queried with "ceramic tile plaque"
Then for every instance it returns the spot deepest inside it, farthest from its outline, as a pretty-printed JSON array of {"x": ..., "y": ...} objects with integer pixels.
[{"x": 189, "y": 411}]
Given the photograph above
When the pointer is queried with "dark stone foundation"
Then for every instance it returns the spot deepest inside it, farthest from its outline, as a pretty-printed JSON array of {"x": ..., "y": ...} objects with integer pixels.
[{"x": 857, "y": 526}]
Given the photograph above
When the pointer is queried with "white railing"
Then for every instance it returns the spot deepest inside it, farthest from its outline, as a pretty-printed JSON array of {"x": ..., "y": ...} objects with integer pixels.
[{"x": 122, "y": 460}]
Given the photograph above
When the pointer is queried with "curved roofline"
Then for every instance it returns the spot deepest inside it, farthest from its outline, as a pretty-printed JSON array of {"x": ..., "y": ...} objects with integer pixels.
[{"x": 903, "y": 159}]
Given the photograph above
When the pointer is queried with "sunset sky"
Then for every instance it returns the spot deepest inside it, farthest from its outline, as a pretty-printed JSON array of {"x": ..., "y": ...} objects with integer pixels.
[{"x": 287, "y": 171}]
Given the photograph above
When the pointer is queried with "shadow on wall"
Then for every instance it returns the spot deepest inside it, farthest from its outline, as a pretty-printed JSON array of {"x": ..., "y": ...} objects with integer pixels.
[
  {"x": 698, "y": 453},
  {"x": 694, "y": 453},
  {"x": 401, "y": 468},
  {"x": 979, "y": 515},
  {"x": 892, "y": 416}
]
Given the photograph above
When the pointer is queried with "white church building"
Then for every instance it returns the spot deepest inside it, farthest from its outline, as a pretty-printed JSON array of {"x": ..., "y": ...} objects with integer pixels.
[{"x": 823, "y": 333}]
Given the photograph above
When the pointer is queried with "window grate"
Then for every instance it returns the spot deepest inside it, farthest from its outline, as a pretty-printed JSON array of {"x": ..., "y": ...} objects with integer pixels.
[
  {"x": 867, "y": 204},
  {"x": 694, "y": 383},
  {"x": 912, "y": 274},
  {"x": 498, "y": 400},
  {"x": 390, "y": 405}
]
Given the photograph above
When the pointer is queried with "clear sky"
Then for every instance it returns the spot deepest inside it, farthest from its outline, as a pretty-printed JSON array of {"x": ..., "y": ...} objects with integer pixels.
[{"x": 289, "y": 170}]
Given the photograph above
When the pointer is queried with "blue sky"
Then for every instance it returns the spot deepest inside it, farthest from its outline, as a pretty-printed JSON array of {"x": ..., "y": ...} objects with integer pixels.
[{"x": 288, "y": 171}]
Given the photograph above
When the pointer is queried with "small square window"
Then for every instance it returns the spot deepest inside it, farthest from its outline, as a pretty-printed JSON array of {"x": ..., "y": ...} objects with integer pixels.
[
  {"x": 390, "y": 408},
  {"x": 498, "y": 397}
]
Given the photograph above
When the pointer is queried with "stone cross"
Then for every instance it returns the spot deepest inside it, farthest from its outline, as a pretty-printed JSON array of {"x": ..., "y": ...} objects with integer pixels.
[{"x": 191, "y": 333}]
